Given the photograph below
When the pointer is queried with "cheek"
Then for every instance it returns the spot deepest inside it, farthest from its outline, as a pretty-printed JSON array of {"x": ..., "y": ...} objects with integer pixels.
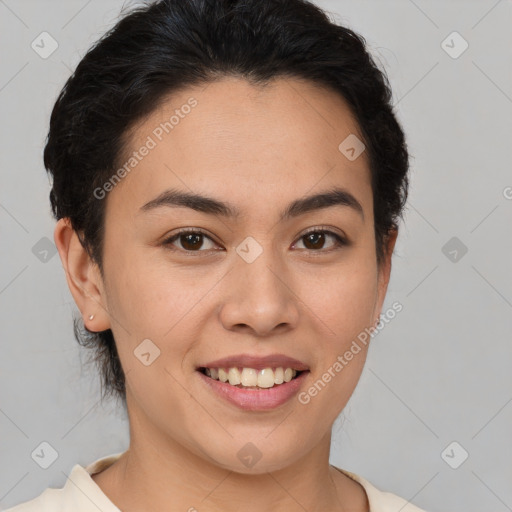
[
  {"x": 151, "y": 297},
  {"x": 342, "y": 301},
  {"x": 344, "y": 306},
  {"x": 344, "y": 310}
]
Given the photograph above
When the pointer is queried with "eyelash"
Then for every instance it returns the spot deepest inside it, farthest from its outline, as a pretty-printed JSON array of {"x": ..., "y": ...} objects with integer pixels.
[{"x": 339, "y": 240}]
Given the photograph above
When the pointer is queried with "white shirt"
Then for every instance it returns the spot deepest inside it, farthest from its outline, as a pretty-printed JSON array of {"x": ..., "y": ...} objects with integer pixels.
[{"x": 81, "y": 494}]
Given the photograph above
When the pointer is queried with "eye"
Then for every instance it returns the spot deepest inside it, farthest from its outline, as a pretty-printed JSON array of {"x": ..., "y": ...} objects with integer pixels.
[
  {"x": 190, "y": 240},
  {"x": 193, "y": 240},
  {"x": 315, "y": 239}
]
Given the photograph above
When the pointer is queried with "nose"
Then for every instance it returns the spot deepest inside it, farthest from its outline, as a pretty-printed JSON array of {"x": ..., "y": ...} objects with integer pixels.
[{"x": 260, "y": 297}]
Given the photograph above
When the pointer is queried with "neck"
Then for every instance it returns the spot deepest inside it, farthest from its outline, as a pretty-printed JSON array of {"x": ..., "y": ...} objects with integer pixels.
[{"x": 159, "y": 473}]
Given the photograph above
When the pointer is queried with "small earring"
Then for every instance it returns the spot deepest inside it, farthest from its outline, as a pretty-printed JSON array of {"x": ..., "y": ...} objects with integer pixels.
[{"x": 91, "y": 317}]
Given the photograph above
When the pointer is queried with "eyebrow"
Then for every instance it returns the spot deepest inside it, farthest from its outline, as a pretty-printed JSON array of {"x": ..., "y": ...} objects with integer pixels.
[{"x": 177, "y": 198}]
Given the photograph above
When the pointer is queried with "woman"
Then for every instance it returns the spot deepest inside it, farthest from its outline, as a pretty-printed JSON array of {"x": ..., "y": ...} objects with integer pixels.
[{"x": 227, "y": 181}]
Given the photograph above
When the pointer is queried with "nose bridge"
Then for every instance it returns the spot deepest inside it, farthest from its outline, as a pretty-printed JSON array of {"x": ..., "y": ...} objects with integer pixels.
[
  {"x": 258, "y": 267},
  {"x": 259, "y": 296}
]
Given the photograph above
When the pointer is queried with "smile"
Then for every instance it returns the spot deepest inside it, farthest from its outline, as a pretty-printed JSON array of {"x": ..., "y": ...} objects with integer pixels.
[
  {"x": 253, "y": 398},
  {"x": 251, "y": 378}
]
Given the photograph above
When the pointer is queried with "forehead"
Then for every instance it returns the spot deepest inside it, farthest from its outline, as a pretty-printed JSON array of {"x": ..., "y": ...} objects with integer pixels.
[{"x": 231, "y": 139}]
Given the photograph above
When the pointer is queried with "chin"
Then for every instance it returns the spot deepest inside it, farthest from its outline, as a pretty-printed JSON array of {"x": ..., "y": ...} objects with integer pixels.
[{"x": 259, "y": 455}]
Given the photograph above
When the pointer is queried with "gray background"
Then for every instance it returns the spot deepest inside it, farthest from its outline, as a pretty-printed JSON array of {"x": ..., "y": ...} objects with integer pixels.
[{"x": 438, "y": 373}]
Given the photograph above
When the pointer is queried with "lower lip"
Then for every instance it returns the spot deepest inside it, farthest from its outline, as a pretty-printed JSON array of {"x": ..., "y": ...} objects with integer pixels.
[{"x": 256, "y": 399}]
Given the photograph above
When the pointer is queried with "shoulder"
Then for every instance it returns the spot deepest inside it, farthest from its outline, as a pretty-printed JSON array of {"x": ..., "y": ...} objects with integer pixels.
[
  {"x": 381, "y": 501},
  {"x": 79, "y": 494},
  {"x": 49, "y": 500}
]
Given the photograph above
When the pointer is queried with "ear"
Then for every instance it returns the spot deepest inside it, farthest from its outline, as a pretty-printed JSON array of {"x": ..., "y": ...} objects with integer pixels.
[
  {"x": 83, "y": 277},
  {"x": 384, "y": 272}
]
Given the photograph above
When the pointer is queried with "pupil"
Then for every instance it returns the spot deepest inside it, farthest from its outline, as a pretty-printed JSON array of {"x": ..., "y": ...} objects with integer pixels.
[
  {"x": 319, "y": 237},
  {"x": 192, "y": 245}
]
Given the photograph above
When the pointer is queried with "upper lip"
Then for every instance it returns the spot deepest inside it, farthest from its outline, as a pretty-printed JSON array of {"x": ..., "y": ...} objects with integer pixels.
[{"x": 257, "y": 362}]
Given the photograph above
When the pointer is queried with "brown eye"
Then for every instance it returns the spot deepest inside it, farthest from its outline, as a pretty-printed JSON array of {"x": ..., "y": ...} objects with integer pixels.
[
  {"x": 193, "y": 241},
  {"x": 190, "y": 241},
  {"x": 315, "y": 240}
]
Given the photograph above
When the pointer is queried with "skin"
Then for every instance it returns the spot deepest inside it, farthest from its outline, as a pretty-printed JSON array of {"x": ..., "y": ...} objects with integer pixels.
[{"x": 260, "y": 149}]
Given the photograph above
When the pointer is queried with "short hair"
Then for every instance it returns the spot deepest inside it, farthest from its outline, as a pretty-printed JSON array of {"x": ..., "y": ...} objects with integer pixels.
[{"x": 168, "y": 45}]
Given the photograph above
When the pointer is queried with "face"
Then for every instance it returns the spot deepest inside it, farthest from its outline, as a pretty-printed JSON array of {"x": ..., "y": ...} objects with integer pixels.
[{"x": 190, "y": 285}]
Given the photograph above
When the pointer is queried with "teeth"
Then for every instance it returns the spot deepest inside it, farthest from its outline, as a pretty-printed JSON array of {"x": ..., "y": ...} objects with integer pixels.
[
  {"x": 223, "y": 375},
  {"x": 251, "y": 378},
  {"x": 234, "y": 376},
  {"x": 266, "y": 378}
]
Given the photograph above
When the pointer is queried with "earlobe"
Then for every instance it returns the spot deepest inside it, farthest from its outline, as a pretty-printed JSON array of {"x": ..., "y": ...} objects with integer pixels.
[{"x": 83, "y": 277}]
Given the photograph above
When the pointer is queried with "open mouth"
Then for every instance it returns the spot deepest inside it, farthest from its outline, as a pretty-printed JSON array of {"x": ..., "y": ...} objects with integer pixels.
[{"x": 250, "y": 378}]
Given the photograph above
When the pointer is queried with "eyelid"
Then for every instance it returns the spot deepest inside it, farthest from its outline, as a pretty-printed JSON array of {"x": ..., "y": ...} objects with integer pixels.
[{"x": 326, "y": 229}]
